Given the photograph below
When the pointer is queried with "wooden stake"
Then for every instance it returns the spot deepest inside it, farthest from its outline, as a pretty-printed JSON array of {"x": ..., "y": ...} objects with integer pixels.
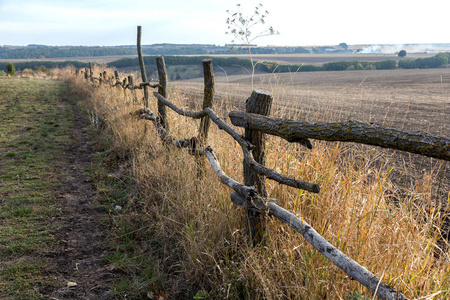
[
  {"x": 141, "y": 64},
  {"x": 260, "y": 102},
  {"x": 90, "y": 72},
  {"x": 208, "y": 100},
  {"x": 162, "y": 90}
]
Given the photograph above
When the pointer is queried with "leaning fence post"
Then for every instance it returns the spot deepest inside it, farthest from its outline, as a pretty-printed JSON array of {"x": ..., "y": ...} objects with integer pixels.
[
  {"x": 141, "y": 64},
  {"x": 162, "y": 90},
  {"x": 260, "y": 102},
  {"x": 208, "y": 99}
]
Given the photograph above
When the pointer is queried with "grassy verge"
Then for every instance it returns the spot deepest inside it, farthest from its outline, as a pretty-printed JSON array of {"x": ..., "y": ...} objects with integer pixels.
[
  {"x": 182, "y": 236},
  {"x": 33, "y": 133}
]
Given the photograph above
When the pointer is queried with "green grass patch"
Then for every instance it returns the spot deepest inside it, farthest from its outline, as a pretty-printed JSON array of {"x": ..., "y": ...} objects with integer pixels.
[
  {"x": 34, "y": 131},
  {"x": 21, "y": 280}
]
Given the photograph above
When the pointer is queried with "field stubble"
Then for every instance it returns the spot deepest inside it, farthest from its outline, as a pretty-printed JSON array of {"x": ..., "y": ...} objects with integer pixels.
[{"x": 196, "y": 238}]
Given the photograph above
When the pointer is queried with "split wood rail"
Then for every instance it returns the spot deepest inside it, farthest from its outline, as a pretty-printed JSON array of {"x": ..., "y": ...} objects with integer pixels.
[{"x": 252, "y": 195}]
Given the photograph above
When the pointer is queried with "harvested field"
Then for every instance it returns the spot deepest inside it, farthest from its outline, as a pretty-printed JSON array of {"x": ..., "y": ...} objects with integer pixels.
[
  {"x": 415, "y": 100},
  {"x": 321, "y": 58}
]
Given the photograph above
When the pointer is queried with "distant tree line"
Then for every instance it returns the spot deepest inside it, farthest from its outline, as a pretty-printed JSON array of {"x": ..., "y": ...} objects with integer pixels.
[
  {"x": 32, "y": 65},
  {"x": 183, "y": 60},
  {"x": 438, "y": 61},
  {"x": 41, "y": 51},
  {"x": 56, "y": 52}
]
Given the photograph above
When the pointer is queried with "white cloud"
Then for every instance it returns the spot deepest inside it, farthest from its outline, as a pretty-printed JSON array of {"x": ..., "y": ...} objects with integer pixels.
[{"x": 111, "y": 22}]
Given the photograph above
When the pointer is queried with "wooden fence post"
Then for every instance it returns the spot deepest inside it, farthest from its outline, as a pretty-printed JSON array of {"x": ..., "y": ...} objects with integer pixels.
[
  {"x": 260, "y": 102},
  {"x": 162, "y": 89},
  {"x": 86, "y": 73},
  {"x": 90, "y": 73},
  {"x": 131, "y": 87},
  {"x": 208, "y": 99},
  {"x": 141, "y": 64}
]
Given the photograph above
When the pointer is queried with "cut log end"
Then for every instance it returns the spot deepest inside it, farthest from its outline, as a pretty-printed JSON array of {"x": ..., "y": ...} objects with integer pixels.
[
  {"x": 262, "y": 92},
  {"x": 315, "y": 188}
]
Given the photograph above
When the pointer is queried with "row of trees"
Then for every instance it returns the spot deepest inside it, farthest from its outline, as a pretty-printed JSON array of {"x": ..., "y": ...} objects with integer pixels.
[
  {"x": 55, "y": 52},
  {"x": 41, "y": 65},
  {"x": 360, "y": 65},
  {"x": 437, "y": 61},
  {"x": 183, "y": 60},
  {"x": 39, "y": 51}
]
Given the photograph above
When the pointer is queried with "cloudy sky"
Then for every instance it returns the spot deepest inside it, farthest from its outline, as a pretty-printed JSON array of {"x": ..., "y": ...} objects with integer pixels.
[{"x": 317, "y": 22}]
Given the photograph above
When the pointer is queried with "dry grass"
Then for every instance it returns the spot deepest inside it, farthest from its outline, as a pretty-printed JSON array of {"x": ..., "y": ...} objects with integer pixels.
[{"x": 196, "y": 239}]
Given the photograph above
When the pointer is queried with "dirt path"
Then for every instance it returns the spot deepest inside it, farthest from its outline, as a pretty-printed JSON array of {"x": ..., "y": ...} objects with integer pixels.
[{"x": 82, "y": 239}]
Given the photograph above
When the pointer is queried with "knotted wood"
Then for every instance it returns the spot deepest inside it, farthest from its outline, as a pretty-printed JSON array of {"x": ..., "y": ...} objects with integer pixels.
[
  {"x": 260, "y": 102},
  {"x": 426, "y": 144},
  {"x": 208, "y": 99}
]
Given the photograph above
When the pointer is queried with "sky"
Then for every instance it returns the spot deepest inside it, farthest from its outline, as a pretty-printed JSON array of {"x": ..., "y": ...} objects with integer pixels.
[{"x": 300, "y": 23}]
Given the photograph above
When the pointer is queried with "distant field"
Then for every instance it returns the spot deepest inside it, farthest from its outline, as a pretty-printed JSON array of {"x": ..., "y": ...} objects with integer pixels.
[
  {"x": 319, "y": 59},
  {"x": 294, "y": 59},
  {"x": 415, "y": 99}
]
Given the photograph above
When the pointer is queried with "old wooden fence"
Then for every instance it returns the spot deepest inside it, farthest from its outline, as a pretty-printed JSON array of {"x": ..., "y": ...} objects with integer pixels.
[{"x": 251, "y": 195}]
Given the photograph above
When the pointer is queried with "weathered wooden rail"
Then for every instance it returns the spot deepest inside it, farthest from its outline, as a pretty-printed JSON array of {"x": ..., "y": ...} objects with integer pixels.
[{"x": 252, "y": 195}]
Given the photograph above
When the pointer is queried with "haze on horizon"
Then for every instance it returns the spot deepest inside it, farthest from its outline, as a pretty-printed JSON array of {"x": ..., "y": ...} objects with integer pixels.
[{"x": 113, "y": 22}]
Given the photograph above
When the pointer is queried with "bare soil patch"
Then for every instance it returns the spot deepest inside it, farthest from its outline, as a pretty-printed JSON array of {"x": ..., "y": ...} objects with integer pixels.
[
  {"x": 82, "y": 240},
  {"x": 321, "y": 58}
]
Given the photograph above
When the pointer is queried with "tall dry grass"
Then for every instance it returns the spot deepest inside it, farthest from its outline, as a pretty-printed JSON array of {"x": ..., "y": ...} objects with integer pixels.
[{"x": 196, "y": 239}]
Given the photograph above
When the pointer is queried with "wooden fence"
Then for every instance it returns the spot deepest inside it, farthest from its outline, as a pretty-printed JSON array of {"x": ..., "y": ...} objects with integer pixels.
[{"x": 252, "y": 195}]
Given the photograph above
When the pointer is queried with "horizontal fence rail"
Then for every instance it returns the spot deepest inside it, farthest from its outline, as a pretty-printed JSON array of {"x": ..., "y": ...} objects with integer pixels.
[
  {"x": 253, "y": 197},
  {"x": 426, "y": 144}
]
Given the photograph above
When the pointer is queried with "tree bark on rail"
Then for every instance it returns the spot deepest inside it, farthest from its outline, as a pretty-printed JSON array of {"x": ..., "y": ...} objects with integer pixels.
[
  {"x": 246, "y": 147},
  {"x": 181, "y": 112},
  {"x": 353, "y": 269},
  {"x": 426, "y": 144}
]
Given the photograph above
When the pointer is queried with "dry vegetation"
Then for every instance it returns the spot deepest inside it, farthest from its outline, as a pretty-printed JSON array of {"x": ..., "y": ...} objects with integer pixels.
[{"x": 195, "y": 237}]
